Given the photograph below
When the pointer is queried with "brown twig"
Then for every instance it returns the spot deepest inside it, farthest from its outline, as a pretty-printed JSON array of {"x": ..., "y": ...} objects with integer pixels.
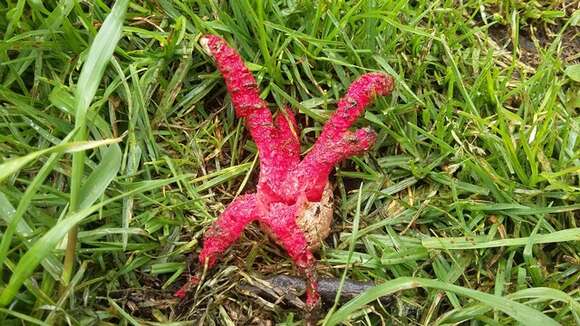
[{"x": 286, "y": 289}]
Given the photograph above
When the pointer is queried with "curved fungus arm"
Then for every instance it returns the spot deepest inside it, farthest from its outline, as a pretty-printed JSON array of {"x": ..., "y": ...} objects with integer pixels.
[
  {"x": 359, "y": 95},
  {"x": 228, "y": 228},
  {"x": 282, "y": 223},
  {"x": 312, "y": 173},
  {"x": 336, "y": 142},
  {"x": 276, "y": 148},
  {"x": 243, "y": 90}
]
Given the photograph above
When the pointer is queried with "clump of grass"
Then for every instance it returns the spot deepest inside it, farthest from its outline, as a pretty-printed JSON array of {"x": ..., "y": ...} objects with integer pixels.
[{"x": 466, "y": 209}]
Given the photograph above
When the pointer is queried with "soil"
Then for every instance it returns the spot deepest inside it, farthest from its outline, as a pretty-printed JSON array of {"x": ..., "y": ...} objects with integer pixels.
[{"x": 531, "y": 36}]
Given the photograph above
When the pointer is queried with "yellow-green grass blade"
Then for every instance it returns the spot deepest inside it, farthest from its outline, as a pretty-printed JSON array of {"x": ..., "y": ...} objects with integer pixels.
[
  {"x": 44, "y": 245},
  {"x": 516, "y": 310}
]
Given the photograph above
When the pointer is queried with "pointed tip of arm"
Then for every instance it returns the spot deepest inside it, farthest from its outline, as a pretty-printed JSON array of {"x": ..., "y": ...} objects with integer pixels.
[
  {"x": 336, "y": 142},
  {"x": 360, "y": 94},
  {"x": 239, "y": 80},
  {"x": 245, "y": 95}
]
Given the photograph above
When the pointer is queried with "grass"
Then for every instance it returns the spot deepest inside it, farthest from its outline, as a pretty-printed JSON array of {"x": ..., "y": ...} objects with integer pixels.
[{"x": 116, "y": 130}]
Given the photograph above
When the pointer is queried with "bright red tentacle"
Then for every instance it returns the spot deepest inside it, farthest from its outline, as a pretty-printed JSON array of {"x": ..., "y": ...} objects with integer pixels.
[
  {"x": 228, "y": 227},
  {"x": 287, "y": 137},
  {"x": 244, "y": 92},
  {"x": 312, "y": 173},
  {"x": 336, "y": 142},
  {"x": 239, "y": 80},
  {"x": 246, "y": 99},
  {"x": 282, "y": 222},
  {"x": 360, "y": 94}
]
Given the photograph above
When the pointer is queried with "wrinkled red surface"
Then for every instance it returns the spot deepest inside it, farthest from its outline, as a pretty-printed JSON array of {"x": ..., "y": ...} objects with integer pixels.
[{"x": 286, "y": 183}]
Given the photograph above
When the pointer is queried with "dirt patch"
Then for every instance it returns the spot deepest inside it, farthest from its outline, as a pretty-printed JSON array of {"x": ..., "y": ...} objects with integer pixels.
[{"x": 534, "y": 39}]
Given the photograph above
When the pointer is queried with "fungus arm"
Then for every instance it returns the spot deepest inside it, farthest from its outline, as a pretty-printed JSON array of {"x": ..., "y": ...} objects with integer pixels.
[
  {"x": 282, "y": 222},
  {"x": 243, "y": 90},
  {"x": 359, "y": 95},
  {"x": 336, "y": 142},
  {"x": 312, "y": 173},
  {"x": 274, "y": 148},
  {"x": 228, "y": 228},
  {"x": 287, "y": 137}
]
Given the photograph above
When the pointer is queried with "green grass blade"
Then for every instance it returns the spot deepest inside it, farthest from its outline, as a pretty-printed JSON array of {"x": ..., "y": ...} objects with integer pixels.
[
  {"x": 126, "y": 316},
  {"x": 98, "y": 181},
  {"x": 44, "y": 246},
  {"x": 518, "y": 311},
  {"x": 24, "y": 230},
  {"x": 98, "y": 58},
  {"x": 480, "y": 243},
  {"x": 540, "y": 293},
  {"x": 23, "y": 317},
  {"x": 14, "y": 165}
]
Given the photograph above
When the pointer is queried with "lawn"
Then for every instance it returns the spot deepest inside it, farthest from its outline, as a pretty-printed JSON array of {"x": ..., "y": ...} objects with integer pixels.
[{"x": 119, "y": 147}]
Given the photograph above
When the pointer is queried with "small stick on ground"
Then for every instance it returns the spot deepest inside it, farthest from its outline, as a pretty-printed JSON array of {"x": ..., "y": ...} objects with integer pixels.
[{"x": 283, "y": 288}]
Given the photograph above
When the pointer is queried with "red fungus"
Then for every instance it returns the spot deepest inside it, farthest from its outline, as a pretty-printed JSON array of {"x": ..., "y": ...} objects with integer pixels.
[{"x": 286, "y": 185}]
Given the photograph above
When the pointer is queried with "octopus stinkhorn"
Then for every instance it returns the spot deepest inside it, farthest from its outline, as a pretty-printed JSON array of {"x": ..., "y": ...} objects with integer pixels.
[{"x": 287, "y": 186}]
